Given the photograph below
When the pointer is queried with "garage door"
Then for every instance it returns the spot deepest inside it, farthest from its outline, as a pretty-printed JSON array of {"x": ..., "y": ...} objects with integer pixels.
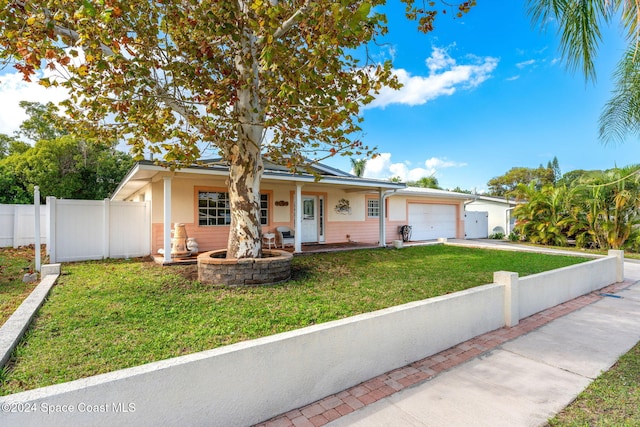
[{"x": 429, "y": 222}]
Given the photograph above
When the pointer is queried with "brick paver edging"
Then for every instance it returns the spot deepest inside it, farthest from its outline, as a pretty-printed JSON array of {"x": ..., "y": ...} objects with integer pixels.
[{"x": 337, "y": 405}]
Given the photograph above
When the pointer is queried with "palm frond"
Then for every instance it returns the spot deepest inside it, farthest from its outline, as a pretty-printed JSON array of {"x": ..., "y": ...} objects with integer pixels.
[{"x": 621, "y": 115}]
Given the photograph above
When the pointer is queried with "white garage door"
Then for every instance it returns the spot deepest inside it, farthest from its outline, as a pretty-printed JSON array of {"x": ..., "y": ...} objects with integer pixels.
[{"x": 430, "y": 222}]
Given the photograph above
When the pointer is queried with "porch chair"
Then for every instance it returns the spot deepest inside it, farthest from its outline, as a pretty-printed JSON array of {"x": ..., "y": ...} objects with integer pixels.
[{"x": 286, "y": 236}]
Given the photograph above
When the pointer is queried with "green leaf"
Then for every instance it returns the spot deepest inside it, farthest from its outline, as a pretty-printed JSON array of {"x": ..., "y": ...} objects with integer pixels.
[{"x": 89, "y": 8}]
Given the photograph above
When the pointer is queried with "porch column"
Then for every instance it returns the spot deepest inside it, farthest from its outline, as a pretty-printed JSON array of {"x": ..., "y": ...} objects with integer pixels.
[
  {"x": 298, "y": 219},
  {"x": 167, "y": 219},
  {"x": 383, "y": 226}
]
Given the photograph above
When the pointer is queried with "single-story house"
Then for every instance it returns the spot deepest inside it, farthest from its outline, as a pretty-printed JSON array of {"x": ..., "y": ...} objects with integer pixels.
[
  {"x": 499, "y": 212},
  {"x": 339, "y": 207}
]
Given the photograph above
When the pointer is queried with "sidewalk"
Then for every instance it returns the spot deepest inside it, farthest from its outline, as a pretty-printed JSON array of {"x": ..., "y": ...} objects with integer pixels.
[{"x": 518, "y": 376}]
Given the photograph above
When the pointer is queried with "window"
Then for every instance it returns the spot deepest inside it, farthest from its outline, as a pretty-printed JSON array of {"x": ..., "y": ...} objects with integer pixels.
[
  {"x": 373, "y": 208},
  {"x": 214, "y": 208},
  {"x": 264, "y": 209}
]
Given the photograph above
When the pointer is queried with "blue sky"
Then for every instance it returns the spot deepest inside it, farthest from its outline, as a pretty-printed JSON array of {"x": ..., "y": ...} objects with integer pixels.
[
  {"x": 483, "y": 93},
  {"x": 519, "y": 105}
]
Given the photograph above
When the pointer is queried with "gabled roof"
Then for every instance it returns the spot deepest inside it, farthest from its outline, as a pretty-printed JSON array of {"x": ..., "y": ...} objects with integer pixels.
[
  {"x": 146, "y": 171},
  {"x": 497, "y": 200},
  {"x": 432, "y": 192},
  {"x": 316, "y": 167}
]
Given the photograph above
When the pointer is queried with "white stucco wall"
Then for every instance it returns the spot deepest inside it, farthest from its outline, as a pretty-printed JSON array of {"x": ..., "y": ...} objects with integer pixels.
[
  {"x": 245, "y": 383},
  {"x": 550, "y": 288},
  {"x": 248, "y": 382}
]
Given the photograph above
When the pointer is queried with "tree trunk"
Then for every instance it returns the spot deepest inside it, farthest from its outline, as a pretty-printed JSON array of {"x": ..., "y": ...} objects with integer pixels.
[
  {"x": 245, "y": 173},
  {"x": 245, "y": 157}
]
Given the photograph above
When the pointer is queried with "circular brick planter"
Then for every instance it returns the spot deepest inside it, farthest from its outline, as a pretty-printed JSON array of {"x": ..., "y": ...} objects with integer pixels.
[{"x": 273, "y": 267}]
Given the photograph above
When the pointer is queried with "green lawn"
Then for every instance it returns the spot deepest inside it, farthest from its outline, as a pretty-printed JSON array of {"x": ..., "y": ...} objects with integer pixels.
[
  {"x": 103, "y": 316},
  {"x": 14, "y": 263},
  {"x": 613, "y": 399}
]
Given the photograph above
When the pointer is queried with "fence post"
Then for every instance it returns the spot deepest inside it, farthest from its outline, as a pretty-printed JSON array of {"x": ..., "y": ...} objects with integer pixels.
[
  {"x": 14, "y": 240},
  {"x": 36, "y": 208},
  {"x": 619, "y": 263},
  {"x": 107, "y": 229},
  {"x": 511, "y": 299},
  {"x": 51, "y": 238}
]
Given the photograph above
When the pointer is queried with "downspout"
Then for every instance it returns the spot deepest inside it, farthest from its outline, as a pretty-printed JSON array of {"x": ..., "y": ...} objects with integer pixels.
[
  {"x": 466, "y": 202},
  {"x": 464, "y": 214}
]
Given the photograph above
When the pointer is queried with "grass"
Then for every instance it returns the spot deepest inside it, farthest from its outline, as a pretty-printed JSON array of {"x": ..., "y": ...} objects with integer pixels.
[
  {"x": 103, "y": 316},
  {"x": 14, "y": 263},
  {"x": 627, "y": 253},
  {"x": 612, "y": 399}
]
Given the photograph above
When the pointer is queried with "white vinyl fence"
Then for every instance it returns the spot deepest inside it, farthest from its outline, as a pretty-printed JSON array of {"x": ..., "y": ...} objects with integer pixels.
[
  {"x": 96, "y": 229},
  {"x": 17, "y": 225}
]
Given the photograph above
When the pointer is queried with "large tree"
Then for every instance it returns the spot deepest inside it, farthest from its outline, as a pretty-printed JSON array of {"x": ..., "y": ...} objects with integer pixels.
[
  {"x": 42, "y": 122},
  {"x": 503, "y": 185},
  {"x": 67, "y": 167},
  {"x": 62, "y": 165},
  {"x": 249, "y": 78},
  {"x": 579, "y": 24}
]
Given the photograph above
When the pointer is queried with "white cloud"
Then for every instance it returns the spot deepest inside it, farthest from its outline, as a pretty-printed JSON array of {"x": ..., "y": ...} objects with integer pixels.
[
  {"x": 383, "y": 168},
  {"x": 14, "y": 89},
  {"x": 524, "y": 64},
  {"x": 439, "y": 60},
  {"x": 444, "y": 78},
  {"x": 516, "y": 77}
]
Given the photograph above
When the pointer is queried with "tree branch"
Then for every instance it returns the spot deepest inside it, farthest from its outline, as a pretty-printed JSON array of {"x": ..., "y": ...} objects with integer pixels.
[
  {"x": 160, "y": 91},
  {"x": 289, "y": 23}
]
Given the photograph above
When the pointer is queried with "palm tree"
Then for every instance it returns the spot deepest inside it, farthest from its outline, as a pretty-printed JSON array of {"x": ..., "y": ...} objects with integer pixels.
[
  {"x": 426, "y": 182},
  {"x": 605, "y": 208},
  {"x": 623, "y": 216},
  {"x": 358, "y": 166},
  {"x": 579, "y": 27},
  {"x": 540, "y": 219}
]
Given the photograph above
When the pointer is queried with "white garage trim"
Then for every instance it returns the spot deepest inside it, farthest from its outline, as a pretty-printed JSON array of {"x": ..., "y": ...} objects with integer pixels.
[{"x": 430, "y": 221}]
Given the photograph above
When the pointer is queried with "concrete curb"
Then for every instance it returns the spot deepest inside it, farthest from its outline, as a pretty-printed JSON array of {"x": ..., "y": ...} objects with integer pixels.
[{"x": 14, "y": 328}]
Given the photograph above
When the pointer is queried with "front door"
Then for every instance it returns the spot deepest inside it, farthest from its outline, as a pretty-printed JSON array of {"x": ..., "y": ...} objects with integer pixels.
[{"x": 309, "y": 219}]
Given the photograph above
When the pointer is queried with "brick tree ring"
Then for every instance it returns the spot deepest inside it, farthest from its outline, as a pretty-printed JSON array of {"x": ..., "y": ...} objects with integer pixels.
[{"x": 273, "y": 267}]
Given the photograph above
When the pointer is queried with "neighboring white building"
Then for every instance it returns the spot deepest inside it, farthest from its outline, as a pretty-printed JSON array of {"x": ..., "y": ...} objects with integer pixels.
[{"x": 499, "y": 213}]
